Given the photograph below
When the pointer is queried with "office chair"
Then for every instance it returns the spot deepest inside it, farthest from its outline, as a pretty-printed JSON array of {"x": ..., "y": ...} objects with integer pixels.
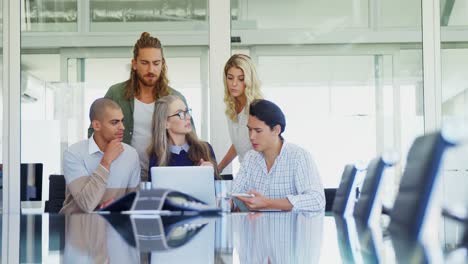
[
  {"x": 464, "y": 242},
  {"x": 57, "y": 187},
  {"x": 413, "y": 251},
  {"x": 31, "y": 181},
  {"x": 226, "y": 177},
  {"x": 348, "y": 242},
  {"x": 56, "y": 232},
  {"x": 460, "y": 253},
  {"x": 416, "y": 202},
  {"x": 369, "y": 205},
  {"x": 344, "y": 199},
  {"x": 330, "y": 194}
]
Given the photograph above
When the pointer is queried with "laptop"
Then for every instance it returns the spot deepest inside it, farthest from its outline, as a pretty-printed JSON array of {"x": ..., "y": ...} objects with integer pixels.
[{"x": 197, "y": 181}]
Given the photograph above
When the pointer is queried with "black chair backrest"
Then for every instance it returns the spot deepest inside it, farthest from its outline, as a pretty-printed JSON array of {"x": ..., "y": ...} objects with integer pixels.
[
  {"x": 227, "y": 177},
  {"x": 369, "y": 247},
  {"x": 363, "y": 208},
  {"x": 57, "y": 232},
  {"x": 57, "y": 187},
  {"x": 31, "y": 181},
  {"x": 344, "y": 240},
  {"x": 344, "y": 190},
  {"x": 417, "y": 183},
  {"x": 330, "y": 194},
  {"x": 464, "y": 242},
  {"x": 411, "y": 251}
]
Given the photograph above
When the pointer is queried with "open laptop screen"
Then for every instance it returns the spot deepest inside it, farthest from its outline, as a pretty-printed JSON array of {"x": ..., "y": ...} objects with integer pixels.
[{"x": 197, "y": 181}]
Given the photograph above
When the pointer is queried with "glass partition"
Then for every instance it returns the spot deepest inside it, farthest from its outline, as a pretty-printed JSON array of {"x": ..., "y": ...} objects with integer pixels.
[
  {"x": 454, "y": 55},
  {"x": 148, "y": 15},
  {"x": 49, "y": 15},
  {"x": 348, "y": 75},
  {"x": 398, "y": 13},
  {"x": 348, "y": 93},
  {"x": 60, "y": 81},
  {"x": 1, "y": 118},
  {"x": 453, "y": 13},
  {"x": 320, "y": 15},
  {"x": 109, "y": 16}
]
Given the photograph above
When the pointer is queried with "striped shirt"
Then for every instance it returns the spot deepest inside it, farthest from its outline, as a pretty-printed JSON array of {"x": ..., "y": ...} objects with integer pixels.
[
  {"x": 278, "y": 237},
  {"x": 293, "y": 175}
]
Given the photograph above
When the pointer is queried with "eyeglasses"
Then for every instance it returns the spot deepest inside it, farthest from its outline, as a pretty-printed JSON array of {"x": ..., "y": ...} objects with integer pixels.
[{"x": 183, "y": 114}]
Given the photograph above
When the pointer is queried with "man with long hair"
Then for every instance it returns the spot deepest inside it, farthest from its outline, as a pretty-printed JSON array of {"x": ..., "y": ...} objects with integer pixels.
[{"x": 136, "y": 96}]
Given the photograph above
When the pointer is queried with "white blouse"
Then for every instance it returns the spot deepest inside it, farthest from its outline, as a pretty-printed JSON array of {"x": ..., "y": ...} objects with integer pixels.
[
  {"x": 239, "y": 134},
  {"x": 141, "y": 137}
]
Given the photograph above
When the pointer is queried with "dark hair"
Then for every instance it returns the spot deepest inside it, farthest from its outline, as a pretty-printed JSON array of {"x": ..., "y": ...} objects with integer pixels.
[
  {"x": 269, "y": 113},
  {"x": 99, "y": 106}
]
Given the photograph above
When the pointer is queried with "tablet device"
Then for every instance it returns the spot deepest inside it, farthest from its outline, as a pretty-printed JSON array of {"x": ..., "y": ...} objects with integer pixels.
[
  {"x": 239, "y": 204},
  {"x": 246, "y": 195}
]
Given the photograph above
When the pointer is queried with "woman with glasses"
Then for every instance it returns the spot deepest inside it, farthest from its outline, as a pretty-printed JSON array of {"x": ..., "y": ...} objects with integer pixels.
[
  {"x": 173, "y": 141},
  {"x": 241, "y": 87}
]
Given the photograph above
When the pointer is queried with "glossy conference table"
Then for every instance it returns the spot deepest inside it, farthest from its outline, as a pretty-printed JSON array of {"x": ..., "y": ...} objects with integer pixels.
[{"x": 269, "y": 237}]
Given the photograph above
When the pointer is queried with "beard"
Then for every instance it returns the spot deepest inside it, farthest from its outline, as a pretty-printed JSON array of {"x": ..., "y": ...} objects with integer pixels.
[{"x": 147, "y": 82}]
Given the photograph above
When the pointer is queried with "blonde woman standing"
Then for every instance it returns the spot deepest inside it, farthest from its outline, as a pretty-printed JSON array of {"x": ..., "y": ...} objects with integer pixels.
[{"x": 241, "y": 87}]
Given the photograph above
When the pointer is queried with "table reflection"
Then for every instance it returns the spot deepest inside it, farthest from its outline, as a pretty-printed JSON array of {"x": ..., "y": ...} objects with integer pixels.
[
  {"x": 407, "y": 247},
  {"x": 360, "y": 243},
  {"x": 89, "y": 238},
  {"x": 116, "y": 238},
  {"x": 277, "y": 237},
  {"x": 190, "y": 240},
  {"x": 347, "y": 244},
  {"x": 267, "y": 237}
]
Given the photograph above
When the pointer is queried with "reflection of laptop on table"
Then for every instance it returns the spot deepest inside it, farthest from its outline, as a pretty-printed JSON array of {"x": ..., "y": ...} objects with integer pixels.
[
  {"x": 158, "y": 201},
  {"x": 154, "y": 233},
  {"x": 199, "y": 248},
  {"x": 197, "y": 181}
]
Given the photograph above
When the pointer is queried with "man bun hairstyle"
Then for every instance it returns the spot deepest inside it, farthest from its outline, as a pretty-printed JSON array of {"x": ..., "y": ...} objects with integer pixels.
[
  {"x": 146, "y": 41},
  {"x": 162, "y": 85}
]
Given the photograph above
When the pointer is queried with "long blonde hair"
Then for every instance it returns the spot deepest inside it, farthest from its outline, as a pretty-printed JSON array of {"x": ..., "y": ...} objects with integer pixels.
[
  {"x": 132, "y": 88},
  {"x": 160, "y": 140},
  {"x": 252, "y": 84}
]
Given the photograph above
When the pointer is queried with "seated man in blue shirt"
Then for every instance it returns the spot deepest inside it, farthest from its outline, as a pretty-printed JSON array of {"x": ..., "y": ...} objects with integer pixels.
[
  {"x": 102, "y": 168},
  {"x": 281, "y": 175}
]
